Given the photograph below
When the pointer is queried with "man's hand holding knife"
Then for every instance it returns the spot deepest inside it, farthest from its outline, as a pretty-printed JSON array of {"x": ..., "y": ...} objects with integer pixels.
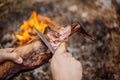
[{"x": 63, "y": 66}]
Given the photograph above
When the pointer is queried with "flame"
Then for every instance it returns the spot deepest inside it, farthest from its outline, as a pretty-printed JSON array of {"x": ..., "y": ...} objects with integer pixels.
[{"x": 27, "y": 31}]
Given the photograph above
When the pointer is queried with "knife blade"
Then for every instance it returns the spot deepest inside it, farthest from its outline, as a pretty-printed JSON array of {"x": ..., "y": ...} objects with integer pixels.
[{"x": 45, "y": 40}]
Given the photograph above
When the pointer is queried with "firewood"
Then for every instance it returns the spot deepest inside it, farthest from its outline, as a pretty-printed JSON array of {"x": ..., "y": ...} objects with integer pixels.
[{"x": 34, "y": 54}]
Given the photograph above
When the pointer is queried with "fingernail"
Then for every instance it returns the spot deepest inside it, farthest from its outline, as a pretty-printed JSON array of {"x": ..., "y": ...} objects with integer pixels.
[
  {"x": 63, "y": 44},
  {"x": 19, "y": 60}
]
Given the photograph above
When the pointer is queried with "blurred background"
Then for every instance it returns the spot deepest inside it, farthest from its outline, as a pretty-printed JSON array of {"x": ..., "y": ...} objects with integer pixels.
[{"x": 101, "y": 18}]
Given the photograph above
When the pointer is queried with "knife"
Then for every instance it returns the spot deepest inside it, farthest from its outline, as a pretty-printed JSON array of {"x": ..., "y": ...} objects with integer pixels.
[{"x": 45, "y": 40}]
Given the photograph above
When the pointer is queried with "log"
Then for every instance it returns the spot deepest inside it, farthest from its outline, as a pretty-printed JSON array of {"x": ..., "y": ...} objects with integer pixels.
[{"x": 34, "y": 54}]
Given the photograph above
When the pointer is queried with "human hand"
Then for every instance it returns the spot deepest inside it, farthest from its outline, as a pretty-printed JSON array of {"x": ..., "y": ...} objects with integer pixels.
[
  {"x": 64, "y": 66},
  {"x": 6, "y": 54}
]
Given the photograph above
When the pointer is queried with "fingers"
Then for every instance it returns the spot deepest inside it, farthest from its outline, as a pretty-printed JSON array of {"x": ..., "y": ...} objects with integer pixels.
[
  {"x": 9, "y": 49},
  {"x": 14, "y": 57}
]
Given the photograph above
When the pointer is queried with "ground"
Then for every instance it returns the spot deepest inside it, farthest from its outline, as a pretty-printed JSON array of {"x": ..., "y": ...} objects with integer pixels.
[{"x": 101, "y": 18}]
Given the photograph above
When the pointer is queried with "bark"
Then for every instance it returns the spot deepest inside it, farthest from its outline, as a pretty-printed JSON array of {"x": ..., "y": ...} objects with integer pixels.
[{"x": 34, "y": 55}]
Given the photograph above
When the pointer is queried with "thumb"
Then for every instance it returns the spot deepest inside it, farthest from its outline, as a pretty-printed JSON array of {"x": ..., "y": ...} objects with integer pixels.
[{"x": 60, "y": 50}]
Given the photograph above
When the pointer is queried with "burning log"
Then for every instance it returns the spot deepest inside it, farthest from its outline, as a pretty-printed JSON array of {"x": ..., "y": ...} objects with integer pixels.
[{"x": 35, "y": 53}]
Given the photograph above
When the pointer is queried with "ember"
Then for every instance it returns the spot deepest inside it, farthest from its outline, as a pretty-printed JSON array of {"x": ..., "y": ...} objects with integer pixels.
[{"x": 27, "y": 31}]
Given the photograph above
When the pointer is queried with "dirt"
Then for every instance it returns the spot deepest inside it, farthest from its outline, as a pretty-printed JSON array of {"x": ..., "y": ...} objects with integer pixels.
[{"x": 101, "y": 18}]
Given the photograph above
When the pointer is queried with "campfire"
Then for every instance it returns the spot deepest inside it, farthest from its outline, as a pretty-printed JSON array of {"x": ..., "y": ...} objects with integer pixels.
[
  {"x": 27, "y": 29},
  {"x": 34, "y": 52}
]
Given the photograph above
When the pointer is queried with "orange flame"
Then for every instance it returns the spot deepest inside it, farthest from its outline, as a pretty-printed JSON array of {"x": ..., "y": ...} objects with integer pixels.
[{"x": 27, "y": 31}]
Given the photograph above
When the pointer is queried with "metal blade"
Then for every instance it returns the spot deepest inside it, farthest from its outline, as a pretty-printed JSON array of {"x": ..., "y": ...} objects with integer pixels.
[{"x": 45, "y": 40}]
